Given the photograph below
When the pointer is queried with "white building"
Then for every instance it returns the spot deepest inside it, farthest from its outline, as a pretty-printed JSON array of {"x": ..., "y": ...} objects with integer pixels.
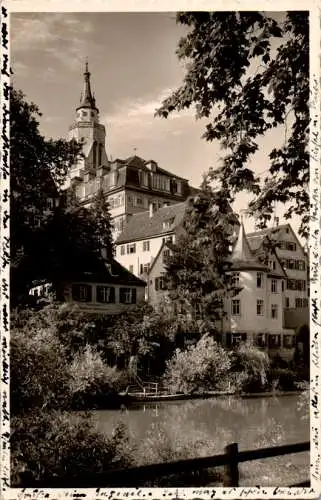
[
  {"x": 140, "y": 242},
  {"x": 256, "y": 313},
  {"x": 293, "y": 259}
]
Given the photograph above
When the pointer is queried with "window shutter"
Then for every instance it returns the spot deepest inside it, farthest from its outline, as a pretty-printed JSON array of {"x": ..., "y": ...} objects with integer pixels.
[
  {"x": 112, "y": 295},
  {"x": 122, "y": 295},
  {"x": 134, "y": 295}
]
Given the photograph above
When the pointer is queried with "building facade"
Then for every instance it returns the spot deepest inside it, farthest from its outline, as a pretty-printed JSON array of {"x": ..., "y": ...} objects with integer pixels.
[
  {"x": 256, "y": 313},
  {"x": 98, "y": 285},
  {"x": 293, "y": 259},
  {"x": 131, "y": 184},
  {"x": 140, "y": 242}
]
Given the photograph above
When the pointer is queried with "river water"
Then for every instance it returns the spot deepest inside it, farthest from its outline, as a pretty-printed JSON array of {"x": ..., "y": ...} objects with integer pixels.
[{"x": 186, "y": 429}]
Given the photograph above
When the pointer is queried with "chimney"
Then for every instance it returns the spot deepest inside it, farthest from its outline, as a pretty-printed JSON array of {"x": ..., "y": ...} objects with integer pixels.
[
  {"x": 276, "y": 221},
  {"x": 152, "y": 209}
]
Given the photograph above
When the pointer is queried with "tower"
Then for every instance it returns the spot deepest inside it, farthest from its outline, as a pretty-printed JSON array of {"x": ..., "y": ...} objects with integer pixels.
[{"x": 87, "y": 130}]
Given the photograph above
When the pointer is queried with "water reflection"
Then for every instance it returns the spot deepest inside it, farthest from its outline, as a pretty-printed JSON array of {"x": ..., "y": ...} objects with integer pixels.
[{"x": 250, "y": 422}]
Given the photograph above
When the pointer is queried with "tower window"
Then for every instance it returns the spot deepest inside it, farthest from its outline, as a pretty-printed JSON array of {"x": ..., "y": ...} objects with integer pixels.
[
  {"x": 94, "y": 153},
  {"x": 100, "y": 153}
]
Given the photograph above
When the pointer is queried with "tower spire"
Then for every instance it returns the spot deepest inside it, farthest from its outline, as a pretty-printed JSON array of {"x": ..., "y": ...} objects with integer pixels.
[{"x": 87, "y": 100}]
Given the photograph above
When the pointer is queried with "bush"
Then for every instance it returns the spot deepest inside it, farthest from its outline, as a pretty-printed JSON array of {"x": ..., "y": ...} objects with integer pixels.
[
  {"x": 198, "y": 368},
  {"x": 250, "y": 368},
  {"x": 46, "y": 440},
  {"x": 49, "y": 444},
  {"x": 39, "y": 371},
  {"x": 283, "y": 379},
  {"x": 92, "y": 381}
]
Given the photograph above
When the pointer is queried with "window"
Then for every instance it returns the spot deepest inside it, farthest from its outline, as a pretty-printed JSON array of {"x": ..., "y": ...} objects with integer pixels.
[
  {"x": 274, "y": 286},
  {"x": 94, "y": 153},
  {"x": 130, "y": 200},
  {"x": 287, "y": 302},
  {"x": 261, "y": 340},
  {"x": 301, "y": 265},
  {"x": 301, "y": 285},
  {"x": 299, "y": 302},
  {"x": 290, "y": 246},
  {"x": 259, "y": 280},
  {"x": 272, "y": 264},
  {"x": 106, "y": 294},
  {"x": 282, "y": 286},
  {"x": 139, "y": 202},
  {"x": 288, "y": 341},
  {"x": 127, "y": 295},
  {"x": 236, "y": 279},
  {"x": 146, "y": 246},
  {"x": 166, "y": 254},
  {"x": 236, "y": 307},
  {"x": 274, "y": 341},
  {"x": 274, "y": 311},
  {"x": 144, "y": 268},
  {"x": 131, "y": 248},
  {"x": 100, "y": 153},
  {"x": 81, "y": 293},
  {"x": 161, "y": 182},
  {"x": 122, "y": 250},
  {"x": 237, "y": 338},
  {"x": 168, "y": 223},
  {"x": 259, "y": 307},
  {"x": 160, "y": 283}
]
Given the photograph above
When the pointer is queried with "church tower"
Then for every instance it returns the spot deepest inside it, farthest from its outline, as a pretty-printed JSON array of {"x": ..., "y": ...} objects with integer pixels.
[{"x": 87, "y": 130}]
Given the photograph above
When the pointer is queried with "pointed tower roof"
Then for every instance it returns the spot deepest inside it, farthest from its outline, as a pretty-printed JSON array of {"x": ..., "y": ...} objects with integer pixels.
[
  {"x": 87, "y": 99},
  {"x": 242, "y": 256}
]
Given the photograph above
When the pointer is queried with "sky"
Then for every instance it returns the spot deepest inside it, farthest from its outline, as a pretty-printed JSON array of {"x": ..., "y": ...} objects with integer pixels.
[{"x": 133, "y": 67}]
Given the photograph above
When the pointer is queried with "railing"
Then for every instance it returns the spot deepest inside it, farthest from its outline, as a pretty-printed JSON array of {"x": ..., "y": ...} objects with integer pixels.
[
  {"x": 138, "y": 476},
  {"x": 146, "y": 388}
]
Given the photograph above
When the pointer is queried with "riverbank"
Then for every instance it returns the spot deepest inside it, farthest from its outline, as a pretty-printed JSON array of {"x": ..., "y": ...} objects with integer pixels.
[{"x": 146, "y": 398}]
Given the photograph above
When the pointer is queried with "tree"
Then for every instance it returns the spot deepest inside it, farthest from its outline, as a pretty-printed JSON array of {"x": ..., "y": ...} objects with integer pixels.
[
  {"x": 248, "y": 73},
  {"x": 196, "y": 267},
  {"x": 38, "y": 167},
  {"x": 102, "y": 223}
]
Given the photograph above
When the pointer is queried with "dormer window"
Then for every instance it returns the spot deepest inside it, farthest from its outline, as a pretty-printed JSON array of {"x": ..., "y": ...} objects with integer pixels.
[{"x": 168, "y": 223}]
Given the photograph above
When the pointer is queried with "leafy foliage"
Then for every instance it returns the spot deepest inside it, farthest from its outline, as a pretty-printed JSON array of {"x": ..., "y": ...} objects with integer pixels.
[
  {"x": 47, "y": 241},
  {"x": 39, "y": 370},
  {"x": 102, "y": 223},
  {"x": 248, "y": 73},
  {"x": 37, "y": 167},
  {"x": 196, "y": 268},
  {"x": 198, "y": 367},
  {"x": 92, "y": 380},
  {"x": 66, "y": 445},
  {"x": 250, "y": 368}
]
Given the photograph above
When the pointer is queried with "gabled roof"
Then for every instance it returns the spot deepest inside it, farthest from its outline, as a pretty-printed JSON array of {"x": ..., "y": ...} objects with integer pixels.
[
  {"x": 157, "y": 256},
  {"x": 256, "y": 238},
  {"x": 242, "y": 257},
  {"x": 141, "y": 226},
  {"x": 95, "y": 268},
  {"x": 92, "y": 267}
]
